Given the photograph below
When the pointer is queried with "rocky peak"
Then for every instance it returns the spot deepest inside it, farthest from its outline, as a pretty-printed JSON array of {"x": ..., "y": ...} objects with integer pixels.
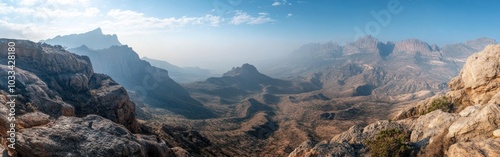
[
  {"x": 367, "y": 44},
  {"x": 245, "y": 70},
  {"x": 414, "y": 45},
  {"x": 97, "y": 31},
  {"x": 367, "y": 40}
]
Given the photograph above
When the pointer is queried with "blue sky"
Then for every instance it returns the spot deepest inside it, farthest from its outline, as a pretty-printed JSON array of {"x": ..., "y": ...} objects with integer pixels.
[{"x": 219, "y": 34}]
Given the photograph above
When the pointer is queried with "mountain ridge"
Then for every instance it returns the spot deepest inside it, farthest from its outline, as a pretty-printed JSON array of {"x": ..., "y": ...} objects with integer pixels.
[{"x": 94, "y": 39}]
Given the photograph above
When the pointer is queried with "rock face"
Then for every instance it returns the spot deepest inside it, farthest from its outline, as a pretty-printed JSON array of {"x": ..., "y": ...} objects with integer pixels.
[
  {"x": 63, "y": 108},
  {"x": 471, "y": 129}
]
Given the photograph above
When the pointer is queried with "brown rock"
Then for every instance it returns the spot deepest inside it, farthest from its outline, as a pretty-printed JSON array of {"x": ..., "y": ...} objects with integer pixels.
[{"x": 32, "y": 119}]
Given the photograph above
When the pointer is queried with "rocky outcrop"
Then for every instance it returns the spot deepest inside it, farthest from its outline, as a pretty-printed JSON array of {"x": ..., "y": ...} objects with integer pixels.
[
  {"x": 57, "y": 82},
  {"x": 470, "y": 129},
  {"x": 63, "y": 108},
  {"x": 87, "y": 136},
  {"x": 479, "y": 80}
]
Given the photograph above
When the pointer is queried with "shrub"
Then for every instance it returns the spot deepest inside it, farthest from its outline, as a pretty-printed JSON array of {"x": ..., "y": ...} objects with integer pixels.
[
  {"x": 390, "y": 142},
  {"x": 440, "y": 103}
]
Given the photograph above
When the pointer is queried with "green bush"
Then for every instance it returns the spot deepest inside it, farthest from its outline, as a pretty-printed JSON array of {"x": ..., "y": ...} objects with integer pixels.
[
  {"x": 390, "y": 142},
  {"x": 440, "y": 103}
]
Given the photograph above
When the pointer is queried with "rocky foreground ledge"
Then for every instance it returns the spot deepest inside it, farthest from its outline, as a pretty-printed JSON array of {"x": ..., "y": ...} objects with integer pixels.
[
  {"x": 63, "y": 108},
  {"x": 462, "y": 123}
]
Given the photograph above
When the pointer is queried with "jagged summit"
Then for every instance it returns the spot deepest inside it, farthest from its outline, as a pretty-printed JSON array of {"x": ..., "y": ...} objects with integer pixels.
[
  {"x": 367, "y": 44},
  {"x": 245, "y": 70},
  {"x": 98, "y": 30},
  {"x": 414, "y": 45},
  {"x": 94, "y": 39}
]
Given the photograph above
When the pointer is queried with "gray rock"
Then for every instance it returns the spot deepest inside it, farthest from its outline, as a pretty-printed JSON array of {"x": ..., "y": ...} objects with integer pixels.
[{"x": 88, "y": 136}]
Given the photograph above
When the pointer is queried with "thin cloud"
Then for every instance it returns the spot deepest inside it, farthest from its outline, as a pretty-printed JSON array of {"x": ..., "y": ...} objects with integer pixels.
[
  {"x": 278, "y": 3},
  {"x": 132, "y": 18},
  {"x": 241, "y": 17}
]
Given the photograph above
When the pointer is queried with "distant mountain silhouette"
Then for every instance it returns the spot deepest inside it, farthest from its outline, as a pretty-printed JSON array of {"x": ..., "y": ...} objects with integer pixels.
[
  {"x": 180, "y": 74},
  {"x": 94, "y": 39}
]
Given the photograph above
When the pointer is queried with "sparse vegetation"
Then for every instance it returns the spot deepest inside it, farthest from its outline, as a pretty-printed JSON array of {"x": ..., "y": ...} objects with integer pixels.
[
  {"x": 440, "y": 103},
  {"x": 390, "y": 142}
]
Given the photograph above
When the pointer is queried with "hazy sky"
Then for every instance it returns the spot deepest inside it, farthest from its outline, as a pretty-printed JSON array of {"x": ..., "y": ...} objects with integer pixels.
[{"x": 219, "y": 34}]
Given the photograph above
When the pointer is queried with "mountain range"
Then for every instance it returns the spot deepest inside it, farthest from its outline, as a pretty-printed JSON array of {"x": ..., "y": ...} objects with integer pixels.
[
  {"x": 343, "y": 93},
  {"x": 94, "y": 39},
  {"x": 382, "y": 70}
]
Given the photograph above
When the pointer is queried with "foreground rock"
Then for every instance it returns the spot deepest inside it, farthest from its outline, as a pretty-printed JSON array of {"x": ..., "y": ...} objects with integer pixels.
[
  {"x": 63, "y": 108},
  {"x": 469, "y": 129},
  {"x": 88, "y": 136},
  {"x": 57, "y": 83}
]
